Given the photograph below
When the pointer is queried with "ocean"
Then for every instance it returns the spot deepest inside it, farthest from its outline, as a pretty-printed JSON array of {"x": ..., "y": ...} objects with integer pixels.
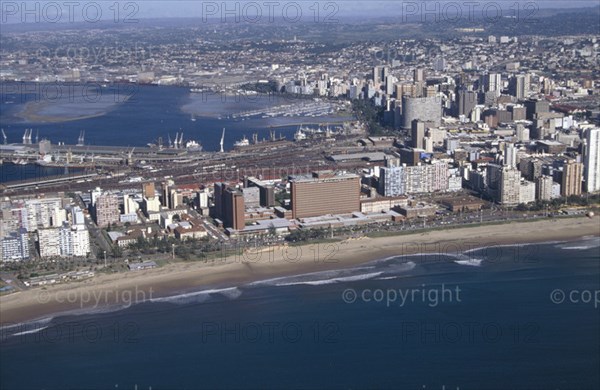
[{"x": 508, "y": 317}]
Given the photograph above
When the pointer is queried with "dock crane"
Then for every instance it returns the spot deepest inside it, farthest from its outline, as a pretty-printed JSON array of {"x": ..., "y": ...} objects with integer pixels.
[{"x": 222, "y": 140}]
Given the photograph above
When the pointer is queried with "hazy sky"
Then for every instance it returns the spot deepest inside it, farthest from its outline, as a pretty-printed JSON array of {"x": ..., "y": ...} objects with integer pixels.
[{"x": 30, "y": 11}]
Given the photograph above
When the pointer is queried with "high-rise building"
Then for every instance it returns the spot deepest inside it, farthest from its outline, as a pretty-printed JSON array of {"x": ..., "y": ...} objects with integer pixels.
[
  {"x": 522, "y": 133},
  {"x": 520, "y": 86},
  {"x": 425, "y": 109},
  {"x": 148, "y": 190},
  {"x": 43, "y": 212},
  {"x": 572, "y": 173},
  {"x": 65, "y": 241},
  {"x": 492, "y": 82},
  {"x": 592, "y": 160},
  {"x": 391, "y": 181},
  {"x": 107, "y": 210},
  {"x": 49, "y": 242},
  {"x": 234, "y": 209},
  {"x": 419, "y": 75},
  {"x": 527, "y": 192},
  {"x": 219, "y": 191},
  {"x": 417, "y": 133},
  {"x": 15, "y": 246},
  {"x": 251, "y": 196},
  {"x": 544, "y": 188},
  {"x": 509, "y": 186},
  {"x": 166, "y": 194},
  {"x": 130, "y": 206},
  {"x": 510, "y": 155},
  {"x": 324, "y": 194},
  {"x": 467, "y": 100}
]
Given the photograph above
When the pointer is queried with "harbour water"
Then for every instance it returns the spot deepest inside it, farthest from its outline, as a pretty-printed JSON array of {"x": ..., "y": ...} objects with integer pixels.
[
  {"x": 495, "y": 322},
  {"x": 131, "y": 115}
]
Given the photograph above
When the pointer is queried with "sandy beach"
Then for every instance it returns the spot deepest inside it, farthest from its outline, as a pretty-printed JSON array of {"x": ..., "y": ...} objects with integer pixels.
[{"x": 132, "y": 287}]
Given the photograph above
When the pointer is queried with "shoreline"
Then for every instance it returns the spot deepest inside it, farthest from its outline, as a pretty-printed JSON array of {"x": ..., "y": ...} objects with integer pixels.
[{"x": 106, "y": 290}]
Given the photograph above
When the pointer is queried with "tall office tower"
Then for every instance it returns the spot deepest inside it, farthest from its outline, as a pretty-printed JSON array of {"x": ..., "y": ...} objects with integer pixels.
[
  {"x": 218, "y": 199},
  {"x": 385, "y": 72},
  {"x": 376, "y": 75},
  {"x": 130, "y": 206},
  {"x": 544, "y": 188},
  {"x": 490, "y": 82},
  {"x": 166, "y": 194},
  {"x": 417, "y": 133},
  {"x": 389, "y": 84},
  {"x": 419, "y": 75},
  {"x": 106, "y": 209},
  {"x": 522, "y": 133},
  {"x": 312, "y": 197},
  {"x": 520, "y": 86},
  {"x": 509, "y": 186},
  {"x": 510, "y": 155},
  {"x": 467, "y": 100},
  {"x": 391, "y": 181},
  {"x": 592, "y": 160},
  {"x": 148, "y": 190},
  {"x": 535, "y": 107},
  {"x": 571, "y": 178},
  {"x": 233, "y": 202},
  {"x": 427, "y": 109}
]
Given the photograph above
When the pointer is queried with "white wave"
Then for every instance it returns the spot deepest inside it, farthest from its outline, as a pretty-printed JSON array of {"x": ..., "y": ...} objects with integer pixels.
[
  {"x": 580, "y": 248},
  {"x": 40, "y": 321},
  {"x": 29, "y": 331},
  {"x": 470, "y": 262},
  {"x": 353, "y": 278},
  {"x": 296, "y": 278},
  {"x": 588, "y": 243},
  {"x": 199, "y": 296}
]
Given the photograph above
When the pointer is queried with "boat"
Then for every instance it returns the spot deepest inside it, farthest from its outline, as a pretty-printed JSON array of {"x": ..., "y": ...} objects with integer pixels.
[
  {"x": 196, "y": 90},
  {"x": 299, "y": 135},
  {"x": 192, "y": 145},
  {"x": 193, "y": 118},
  {"x": 243, "y": 142}
]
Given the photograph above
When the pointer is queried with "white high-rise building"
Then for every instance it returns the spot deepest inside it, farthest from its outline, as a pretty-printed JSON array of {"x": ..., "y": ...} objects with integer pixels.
[
  {"x": 592, "y": 160},
  {"x": 49, "y": 242},
  {"x": 510, "y": 155},
  {"x": 391, "y": 181},
  {"x": 65, "y": 241},
  {"x": 80, "y": 241}
]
